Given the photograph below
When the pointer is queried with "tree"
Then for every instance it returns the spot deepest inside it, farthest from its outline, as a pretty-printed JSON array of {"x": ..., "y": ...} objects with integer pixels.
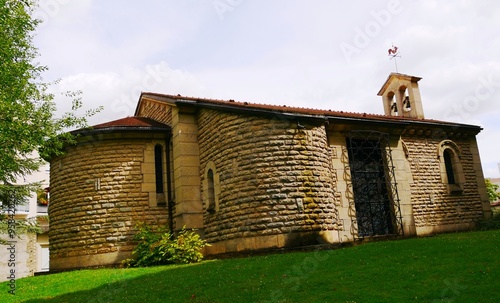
[
  {"x": 28, "y": 119},
  {"x": 492, "y": 189}
]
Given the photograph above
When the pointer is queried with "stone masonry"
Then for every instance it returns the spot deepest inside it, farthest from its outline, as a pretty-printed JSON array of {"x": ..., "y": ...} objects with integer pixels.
[
  {"x": 275, "y": 178},
  {"x": 97, "y": 197},
  {"x": 433, "y": 205},
  {"x": 250, "y": 176}
]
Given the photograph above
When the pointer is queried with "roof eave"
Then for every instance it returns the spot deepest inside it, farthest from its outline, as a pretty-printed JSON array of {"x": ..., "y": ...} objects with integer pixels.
[
  {"x": 251, "y": 110},
  {"x": 111, "y": 129},
  {"x": 396, "y": 75}
]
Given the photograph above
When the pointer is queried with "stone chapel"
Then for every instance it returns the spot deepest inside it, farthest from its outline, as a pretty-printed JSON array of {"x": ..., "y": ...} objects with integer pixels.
[{"x": 252, "y": 177}]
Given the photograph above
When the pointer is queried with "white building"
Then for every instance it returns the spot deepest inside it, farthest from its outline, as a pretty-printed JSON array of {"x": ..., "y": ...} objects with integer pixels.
[{"x": 31, "y": 250}]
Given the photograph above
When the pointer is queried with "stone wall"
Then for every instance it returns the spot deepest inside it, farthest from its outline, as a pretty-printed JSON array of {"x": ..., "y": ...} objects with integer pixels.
[
  {"x": 275, "y": 179},
  {"x": 97, "y": 197},
  {"x": 277, "y": 182},
  {"x": 434, "y": 207},
  {"x": 155, "y": 110}
]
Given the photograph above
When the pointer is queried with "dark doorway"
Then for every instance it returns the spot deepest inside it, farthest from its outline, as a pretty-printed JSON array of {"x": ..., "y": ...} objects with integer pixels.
[{"x": 372, "y": 199}]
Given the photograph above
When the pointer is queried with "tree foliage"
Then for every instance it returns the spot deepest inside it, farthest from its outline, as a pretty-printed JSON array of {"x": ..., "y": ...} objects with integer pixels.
[
  {"x": 492, "y": 189},
  {"x": 28, "y": 118}
]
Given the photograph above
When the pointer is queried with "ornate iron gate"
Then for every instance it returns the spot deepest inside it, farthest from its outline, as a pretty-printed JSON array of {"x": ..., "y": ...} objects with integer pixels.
[{"x": 374, "y": 186}]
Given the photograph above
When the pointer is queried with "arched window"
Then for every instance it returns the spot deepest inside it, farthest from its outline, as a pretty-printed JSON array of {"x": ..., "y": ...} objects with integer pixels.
[
  {"x": 159, "y": 168},
  {"x": 451, "y": 167},
  {"x": 405, "y": 99},
  {"x": 448, "y": 163},
  {"x": 210, "y": 190}
]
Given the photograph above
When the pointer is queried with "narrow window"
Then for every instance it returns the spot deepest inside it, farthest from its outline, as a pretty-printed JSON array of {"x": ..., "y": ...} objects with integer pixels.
[
  {"x": 159, "y": 168},
  {"x": 452, "y": 172},
  {"x": 448, "y": 162},
  {"x": 211, "y": 190}
]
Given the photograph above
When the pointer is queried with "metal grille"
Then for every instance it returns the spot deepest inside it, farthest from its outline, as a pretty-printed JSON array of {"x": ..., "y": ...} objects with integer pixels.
[{"x": 374, "y": 186}]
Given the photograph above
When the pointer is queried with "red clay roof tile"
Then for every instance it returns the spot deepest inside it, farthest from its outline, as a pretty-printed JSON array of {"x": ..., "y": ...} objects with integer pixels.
[
  {"x": 131, "y": 122},
  {"x": 291, "y": 110}
]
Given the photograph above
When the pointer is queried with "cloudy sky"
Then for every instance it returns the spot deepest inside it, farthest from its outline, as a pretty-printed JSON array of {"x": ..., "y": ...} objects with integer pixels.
[{"x": 317, "y": 53}]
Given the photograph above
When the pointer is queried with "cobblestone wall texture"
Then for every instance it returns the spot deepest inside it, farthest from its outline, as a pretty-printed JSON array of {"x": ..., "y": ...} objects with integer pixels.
[
  {"x": 88, "y": 221},
  {"x": 432, "y": 203},
  {"x": 275, "y": 177}
]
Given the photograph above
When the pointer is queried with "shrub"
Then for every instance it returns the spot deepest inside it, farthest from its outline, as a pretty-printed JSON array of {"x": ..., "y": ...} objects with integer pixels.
[
  {"x": 493, "y": 223},
  {"x": 157, "y": 246}
]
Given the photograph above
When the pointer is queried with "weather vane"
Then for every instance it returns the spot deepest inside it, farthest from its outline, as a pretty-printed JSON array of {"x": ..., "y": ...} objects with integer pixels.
[{"x": 393, "y": 54}]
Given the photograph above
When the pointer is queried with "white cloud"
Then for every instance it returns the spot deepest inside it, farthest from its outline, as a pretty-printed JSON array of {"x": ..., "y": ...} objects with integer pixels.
[
  {"x": 118, "y": 92},
  {"x": 61, "y": 12}
]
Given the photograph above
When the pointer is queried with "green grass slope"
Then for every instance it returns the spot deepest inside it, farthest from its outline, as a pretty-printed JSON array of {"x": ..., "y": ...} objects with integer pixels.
[{"x": 459, "y": 267}]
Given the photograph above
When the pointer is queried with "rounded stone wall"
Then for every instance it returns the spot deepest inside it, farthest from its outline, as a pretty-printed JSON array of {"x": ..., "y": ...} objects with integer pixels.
[
  {"x": 99, "y": 192},
  {"x": 274, "y": 179}
]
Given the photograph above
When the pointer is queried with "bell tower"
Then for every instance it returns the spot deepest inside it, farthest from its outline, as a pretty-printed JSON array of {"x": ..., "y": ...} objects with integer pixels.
[{"x": 401, "y": 96}]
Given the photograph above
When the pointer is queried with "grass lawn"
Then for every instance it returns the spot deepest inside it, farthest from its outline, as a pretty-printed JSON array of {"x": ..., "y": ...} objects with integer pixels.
[{"x": 459, "y": 267}]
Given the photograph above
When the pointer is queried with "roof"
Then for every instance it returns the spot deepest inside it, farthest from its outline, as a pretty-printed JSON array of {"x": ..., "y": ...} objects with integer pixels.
[
  {"x": 125, "y": 124},
  {"x": 397, "y": 75},
  {"x": 132, "y": 122},
  {"x": 294, "y": 111}
]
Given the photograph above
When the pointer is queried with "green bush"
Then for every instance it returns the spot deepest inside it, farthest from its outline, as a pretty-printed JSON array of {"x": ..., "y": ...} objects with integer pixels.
[
  {"x": 493, "y": 223},
  {"x": 157, "y": 246}
]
